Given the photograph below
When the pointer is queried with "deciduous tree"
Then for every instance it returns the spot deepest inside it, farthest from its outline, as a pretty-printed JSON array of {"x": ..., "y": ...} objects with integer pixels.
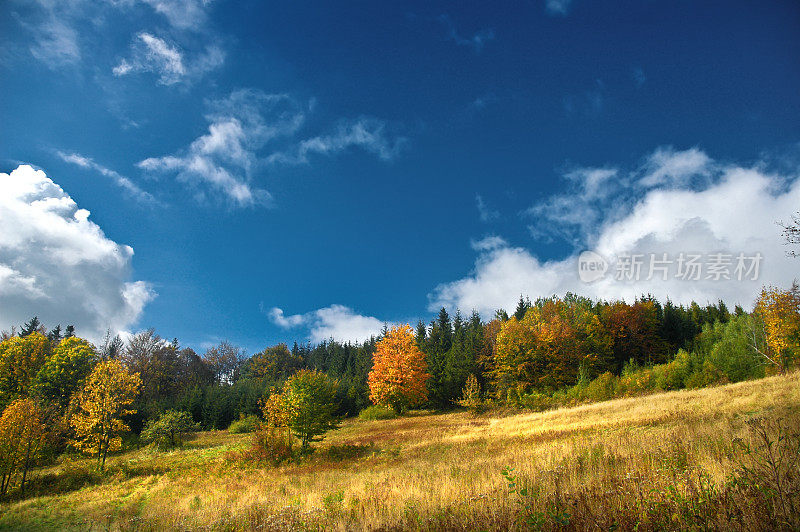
[
  {"x": 21, "y": 358},
  {"x": 306, "y": 406},
  {"x": 22, "y": 436},
  {"x": 399, "y": 372},
  {"x": 779, "y": 310},
  {"x": 109, "y": 392}
]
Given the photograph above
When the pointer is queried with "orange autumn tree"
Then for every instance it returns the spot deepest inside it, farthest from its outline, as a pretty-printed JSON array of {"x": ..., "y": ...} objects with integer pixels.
[
  {"x": 399, "y": 371},
  {"x": 779, "y": 310}
]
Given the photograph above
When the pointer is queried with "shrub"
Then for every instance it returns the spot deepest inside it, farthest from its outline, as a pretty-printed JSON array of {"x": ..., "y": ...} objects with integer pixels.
[
  {"x": 709, "y": 375},
  {"x": 271, "y": 444},
  {"x": 535, "y": 401},
  {"x": 244, "y": 425},
  {"x": 600, "y": 389},
  {"x": 377, "y": 413},
  {"x": 471, "y": 396}
]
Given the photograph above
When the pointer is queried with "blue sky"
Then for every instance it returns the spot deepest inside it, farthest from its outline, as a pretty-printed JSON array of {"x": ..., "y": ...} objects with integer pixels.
[{"x": 299, "y": 170}]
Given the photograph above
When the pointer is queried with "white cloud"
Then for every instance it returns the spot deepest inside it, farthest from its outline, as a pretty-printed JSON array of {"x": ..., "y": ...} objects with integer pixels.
[
  {"x": 228, "y": 157},
  {"x": 123, "y": 182},
  {"x": 336, "y": 321},
  {"x": 734, "y": 212},
  {"x": 153, "y": 54},
  {"x": 57, "y": 264},
  {"x": 224, "y": 159},
  {"x": 666, "y": 166}
]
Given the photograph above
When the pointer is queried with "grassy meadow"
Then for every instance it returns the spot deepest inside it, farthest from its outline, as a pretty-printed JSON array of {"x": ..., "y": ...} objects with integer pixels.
[{"x": 712, "y": 458}]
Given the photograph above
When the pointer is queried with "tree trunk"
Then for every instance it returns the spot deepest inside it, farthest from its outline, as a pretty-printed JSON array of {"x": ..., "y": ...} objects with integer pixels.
[{"x": 25, "y": 466}]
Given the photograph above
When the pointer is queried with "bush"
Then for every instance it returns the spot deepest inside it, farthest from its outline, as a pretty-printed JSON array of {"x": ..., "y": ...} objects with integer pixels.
[
  {"x": 271, "y": 444},
  {"x": 244, "y": 425},
  {"x": 710, "y": 375},
  {"x": 377, "y": 413},
  {"x": 535, "y": 401}
]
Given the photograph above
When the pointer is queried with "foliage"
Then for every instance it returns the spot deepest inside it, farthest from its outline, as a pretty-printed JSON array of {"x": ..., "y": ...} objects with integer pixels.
[
  {"x": 398, "y": 373},
  {"x": 377, "y": 413},
  {"x": 306, "y": 406},
  {"x": 471, "y": 396},
  {"x": 545, "y": 349},
  {"x": 21, "y": 358},
  {"x": 270, "y": 444},
  {"x": 23, "y": 431},
  {"x": 167, "y": 432},
  {"x": 65, "y": 371},
  {"x": 244, "y": 425},
  {"x": 109, "y": 392},
  {"x": 779, "y": 311}
]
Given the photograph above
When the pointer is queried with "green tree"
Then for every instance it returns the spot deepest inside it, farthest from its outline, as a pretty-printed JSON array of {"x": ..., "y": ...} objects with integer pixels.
[
  {"x": 21, "y": 358},
  {"x": 65, "y": 371},
  {"x": 306, "y": 406},
  {"x": 167, "y": 432}
]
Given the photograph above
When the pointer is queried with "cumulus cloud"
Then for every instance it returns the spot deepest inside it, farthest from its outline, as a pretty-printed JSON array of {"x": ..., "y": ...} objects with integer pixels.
[
  {"x": 336, "y": 321},
  {"x": 153, "y": 54},
  {"x": 243, "y": 125},
  {"x": 733, "y": 213},
  {"x": 120, "y": 180},
  {"x": 59, "y": 265}
]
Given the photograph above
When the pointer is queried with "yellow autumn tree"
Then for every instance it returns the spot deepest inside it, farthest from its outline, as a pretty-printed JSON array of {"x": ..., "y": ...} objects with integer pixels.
[
  {"x": 779, "y": 311},
  {"x": 108, "y": 393},
  {"x": 399, "y": 371},
  {"x": 21, "y": 358},
  {"x": 22, "y": 436}
]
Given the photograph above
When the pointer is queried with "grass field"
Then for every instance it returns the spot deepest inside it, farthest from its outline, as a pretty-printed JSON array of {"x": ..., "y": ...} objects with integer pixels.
[{"x": 674, "y": 460}]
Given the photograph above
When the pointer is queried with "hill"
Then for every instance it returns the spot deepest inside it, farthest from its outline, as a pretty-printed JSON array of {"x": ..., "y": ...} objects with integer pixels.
[{"x": 671, "y": 460}]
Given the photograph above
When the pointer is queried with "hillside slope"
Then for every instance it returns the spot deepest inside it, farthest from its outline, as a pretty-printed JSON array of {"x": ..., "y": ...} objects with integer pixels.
[{"x": 665, "y": 460}]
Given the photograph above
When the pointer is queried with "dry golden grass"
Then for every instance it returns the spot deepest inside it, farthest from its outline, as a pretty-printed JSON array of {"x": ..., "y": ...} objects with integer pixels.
[{"x": 624, "y": 462}]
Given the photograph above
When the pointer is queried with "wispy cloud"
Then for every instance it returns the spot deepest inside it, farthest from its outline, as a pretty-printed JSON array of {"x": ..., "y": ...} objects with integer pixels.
[
  {"x": 153, "y": 54},
  {"x": 666, "y": 166},
  {"x": 557, "y": 7},
  {"x": 476, "y": 41},
  {"x": 638, "y": 76},
  {"x": 366, "y": 133},
  {"x": 485, "y": 213},
  {"x": 182, "y": 14},
  {"x": 120, "y": 180},
  {"x": 225, "y": 158},
  {"x": 242, "y": 127}
]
